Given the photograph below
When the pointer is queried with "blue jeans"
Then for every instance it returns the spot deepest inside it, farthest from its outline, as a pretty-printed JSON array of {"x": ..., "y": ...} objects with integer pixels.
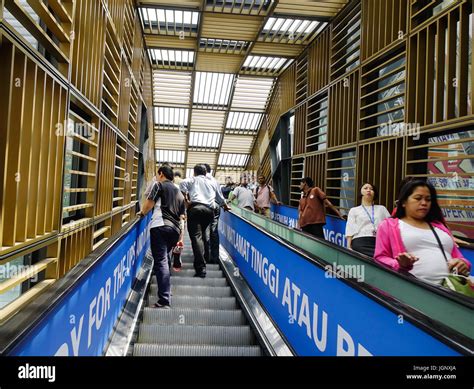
[{"x": 162, "y": 240}]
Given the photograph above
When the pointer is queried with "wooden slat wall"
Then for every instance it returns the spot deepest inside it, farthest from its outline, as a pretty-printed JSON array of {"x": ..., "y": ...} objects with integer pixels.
[
  {"x": 299, "y": 145},
  {"x": 317, "y": 123},
  {"x": 287, "y": 81},
  {"x": 76, "y": 74},
  {"x": 315, "y": 167},
  {"x": 83, "y": 133},
  {"x": 301, "y": 84},
  {"x": 341, "y": 171},
  {"x": 74, "y": 247},
  {"x": 32, "y": 155},
  {"x": 423, "y": 11},
  {"x": 384, "y": 22},
  {"x": 345, "y": 40},
  {"x": 116, "y": 10},
  {"x": 434, "y": 56},
  {"x": 87, "y": 59},
  {"x": 106, "y": 170},
  {"x": 53, "y": 31},
  {"x": 383, "y": 94},
  {"x": 274, "y": 109},
  {"x": 318, "y": 62},
  {"x": 297, "y": 173},
  {"x": 382, "y": 163},
  {"x": 397, "y": 66},
  {"x": 129, "y": 30},
  {"x": 112, "y": 76},
  {"x": 124, "y": 100},
  {"x": 344, "y": 107},
  {"x": 265, "y": 167}
]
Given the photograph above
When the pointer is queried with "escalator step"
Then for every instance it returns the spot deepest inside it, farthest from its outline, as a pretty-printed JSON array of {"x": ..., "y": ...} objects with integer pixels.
[
  {"x": 189, "y": 335},
  {"x": 209, "y": 266},
  {"x": 195, "y": 351},
  {"x": 190, "y": 281},
  {"x": 198, "y": 302},
  {"x": 195, "y": 290},
  {"x": 187, "y": 316},
  {"x": 191, "y": 272}
]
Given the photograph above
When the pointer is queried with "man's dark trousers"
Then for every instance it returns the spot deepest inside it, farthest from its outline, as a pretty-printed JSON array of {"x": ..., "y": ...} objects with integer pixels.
[
  {"x": 162, "y": 240},
  {"x": 214, "y": 237},
  {"x": 199, "y": 219}
]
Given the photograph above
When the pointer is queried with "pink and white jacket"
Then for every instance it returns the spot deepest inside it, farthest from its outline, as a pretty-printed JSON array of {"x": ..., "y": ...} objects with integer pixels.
[{"x": 389, "y": 244}]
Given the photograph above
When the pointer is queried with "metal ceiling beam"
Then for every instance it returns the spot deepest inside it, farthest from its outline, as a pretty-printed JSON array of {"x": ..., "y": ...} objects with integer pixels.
[
  {"x": 248, "y": 51},
  {"x": 193, "y": 80}
]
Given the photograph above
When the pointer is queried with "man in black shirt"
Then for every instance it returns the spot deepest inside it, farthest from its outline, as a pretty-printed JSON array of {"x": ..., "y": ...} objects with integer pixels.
[{"x": 166, "y": 227}]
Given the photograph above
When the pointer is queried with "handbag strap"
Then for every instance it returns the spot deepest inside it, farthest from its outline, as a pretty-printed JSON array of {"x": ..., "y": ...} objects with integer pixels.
[{"x": 439, "y": 241}]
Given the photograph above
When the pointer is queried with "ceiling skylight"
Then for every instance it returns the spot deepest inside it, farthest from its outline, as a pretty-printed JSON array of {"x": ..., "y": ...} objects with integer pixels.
[
  {"x": 237, "y": 160},
  {"x": 172, "y": 59},
  {"x": 212, "y": 90},
  {"x": 169, "y": 21},
  {"x": 171, "y": 118},
  {"x": 170, "y": 156},
  {"x": 284, "y": 30},
  {"x": 243, "y": 122},
  {"x": 257, "y": 64},
  {"x": 208, "y": 140},
  {"x": 252, "y": 93}
]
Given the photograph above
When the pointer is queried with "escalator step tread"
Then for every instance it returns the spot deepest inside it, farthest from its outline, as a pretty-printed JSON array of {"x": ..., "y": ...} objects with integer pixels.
[
  {"x": 190, "y": 316},
  {"x": 191, "y": 281},
  {"x": 143, "y": 349},
  {"x": 198, "y": 302},
  {"x": 209, "y": 266},
  {"x": 196, "y": 290},
  {"x": 191, "y": 272},
  {"x": 189, "y": 335}
]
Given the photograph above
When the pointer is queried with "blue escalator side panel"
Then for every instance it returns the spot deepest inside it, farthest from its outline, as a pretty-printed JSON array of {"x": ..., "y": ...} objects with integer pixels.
[
  {"x": 316, "y": 314},
  {"x": 334, "y": 229},
  {"x": 81, "y": 323}
]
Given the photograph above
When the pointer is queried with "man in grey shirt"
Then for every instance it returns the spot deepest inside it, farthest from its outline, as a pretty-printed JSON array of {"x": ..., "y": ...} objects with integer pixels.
[
  {"x": 244, "y": 195},
  {"x": 202, "y": 194}
]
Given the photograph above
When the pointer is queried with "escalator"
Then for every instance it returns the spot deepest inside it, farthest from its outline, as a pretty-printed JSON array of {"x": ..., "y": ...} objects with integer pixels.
[{"x": 205, "y": 319}]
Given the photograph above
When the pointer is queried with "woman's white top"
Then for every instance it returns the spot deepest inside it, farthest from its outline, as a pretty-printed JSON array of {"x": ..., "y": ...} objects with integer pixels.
[
  {"x": 431, "y": 265},
  {"x": 359, "y": 222}
]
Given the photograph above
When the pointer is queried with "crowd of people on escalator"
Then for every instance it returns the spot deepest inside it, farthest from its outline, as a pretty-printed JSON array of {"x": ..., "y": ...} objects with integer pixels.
[{"x": 413, "y": 239}]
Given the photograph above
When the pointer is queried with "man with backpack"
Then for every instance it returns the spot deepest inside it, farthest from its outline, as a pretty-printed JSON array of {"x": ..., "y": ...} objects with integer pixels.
[
  {"x": 264, "y": 195},
  {"x": 166, "y": 228}
]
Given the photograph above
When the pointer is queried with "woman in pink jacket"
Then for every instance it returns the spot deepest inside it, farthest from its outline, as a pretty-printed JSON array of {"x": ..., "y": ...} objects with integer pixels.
[{"x": 409, "y": 240}]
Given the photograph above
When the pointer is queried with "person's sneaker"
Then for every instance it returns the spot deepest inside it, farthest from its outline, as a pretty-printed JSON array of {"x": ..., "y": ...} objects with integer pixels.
[
  {"x": 158, "y": 305},
  {"x": 200, "y": 275}
]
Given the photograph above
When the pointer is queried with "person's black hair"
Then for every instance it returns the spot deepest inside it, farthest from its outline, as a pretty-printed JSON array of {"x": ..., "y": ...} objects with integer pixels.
[
  {"x": 374, "y": 188},
  {"x": 199, "y": 170},
  {"x": 208, "y": 167},
  {"x": 434, "y": 214},
  {"x": 167, "y": 171},
  {"x": 177, "y": 174},
  {"x": 308, "y": 181}
]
